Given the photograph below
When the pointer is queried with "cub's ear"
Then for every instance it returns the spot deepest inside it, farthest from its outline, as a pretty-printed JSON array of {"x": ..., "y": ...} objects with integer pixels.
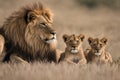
[
  {"x": 65, "y": 37},
  {"x": 81, "y": 37},
  {"x": 104, "y": 40},
  {"x": 90, "y": 39},
  {"x": 31, "y": 16}
]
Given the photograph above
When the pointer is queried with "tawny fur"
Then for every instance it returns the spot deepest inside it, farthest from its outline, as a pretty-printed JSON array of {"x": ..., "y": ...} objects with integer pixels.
[
  {"x": 2, "y": 41},
  {"x": 29, "y": 34},
  {"x": 2, "y": 52},
  {"x": 73, "y": 53},
  {"x": 97, "y": 54}
]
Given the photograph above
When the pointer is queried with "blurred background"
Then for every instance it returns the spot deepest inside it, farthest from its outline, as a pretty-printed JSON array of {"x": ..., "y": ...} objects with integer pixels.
[{"x": 93, "y": 18}]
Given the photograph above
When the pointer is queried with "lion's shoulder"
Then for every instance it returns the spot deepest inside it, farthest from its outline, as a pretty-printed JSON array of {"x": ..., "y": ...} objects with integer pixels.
[
  {"x": 62, "y": 56},
  {"x": 108, "y": 57}
]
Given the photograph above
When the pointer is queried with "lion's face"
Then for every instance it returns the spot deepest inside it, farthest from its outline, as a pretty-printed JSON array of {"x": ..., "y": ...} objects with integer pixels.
[
  {"x": 73, "y": 42},
  {"x": 39, "y": 27},
  {"x": 97, "y": 45}
]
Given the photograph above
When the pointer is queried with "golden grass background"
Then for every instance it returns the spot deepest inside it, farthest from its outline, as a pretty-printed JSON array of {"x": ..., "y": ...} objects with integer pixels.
[{"x": 71, "y": 17}]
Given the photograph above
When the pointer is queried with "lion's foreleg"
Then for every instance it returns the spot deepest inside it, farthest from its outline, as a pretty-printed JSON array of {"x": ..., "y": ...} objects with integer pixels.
[
  {"x": 58, "y": 53},
  {"x": 108, "y": 58},
  {"x": 16, "y": 59},
  {"x": 2, "y": 52},
  {"x": 82, "y": 61},
  {"x": 70, "y": 62}
]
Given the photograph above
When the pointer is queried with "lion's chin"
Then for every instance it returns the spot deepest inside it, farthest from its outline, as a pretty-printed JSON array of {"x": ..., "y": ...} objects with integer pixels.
[
  {"x": 51, "y": 41},
  {"x": 98, "y": 54},
  {"x": 74, "y": 51}
]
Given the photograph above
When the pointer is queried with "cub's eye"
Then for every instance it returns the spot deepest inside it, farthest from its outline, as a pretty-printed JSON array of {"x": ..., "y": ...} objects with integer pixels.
[
  {"x": 94, "y": 44},
  {"x": 77, "y": 41},
  {"x": 70, "y": 40},
  {"x": 101, "y": 45}
]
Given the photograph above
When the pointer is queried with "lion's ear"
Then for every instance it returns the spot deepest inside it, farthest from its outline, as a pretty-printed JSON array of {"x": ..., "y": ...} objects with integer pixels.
[
  {"x": 90, "y": 39},
  {"x": 104, "y": 40},
  {"x": 65, "y": 37},
  {"x": 81, "y": 37},
  {"x": 31, "y": 16}
]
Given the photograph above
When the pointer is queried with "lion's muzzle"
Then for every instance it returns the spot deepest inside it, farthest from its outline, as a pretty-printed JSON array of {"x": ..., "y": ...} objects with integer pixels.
[
  {"x": 74, "y": 49},
  {"x": 97, "y": 52},
  {"x": 51, "y": 39}
]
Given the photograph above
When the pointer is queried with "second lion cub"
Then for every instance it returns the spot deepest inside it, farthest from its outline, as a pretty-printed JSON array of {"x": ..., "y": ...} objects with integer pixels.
[
  {"x": 97, "y": 53},
  {"x": 73, "y": 53}
]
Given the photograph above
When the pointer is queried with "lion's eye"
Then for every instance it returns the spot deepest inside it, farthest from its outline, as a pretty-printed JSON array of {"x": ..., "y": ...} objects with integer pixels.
[
  {"x": 43, "y": 24},
  {"x": 32, "y": 18}
]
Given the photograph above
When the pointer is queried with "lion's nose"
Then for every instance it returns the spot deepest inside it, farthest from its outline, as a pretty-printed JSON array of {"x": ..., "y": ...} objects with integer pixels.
[{"x": 53, "y": 33}]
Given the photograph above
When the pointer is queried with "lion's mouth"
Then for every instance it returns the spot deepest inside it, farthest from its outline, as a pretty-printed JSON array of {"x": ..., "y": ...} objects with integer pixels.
[
  {"x": 74, "y": 51},
  {"x": 98, "y": 54},
  {"x": 53, "y": 39}
]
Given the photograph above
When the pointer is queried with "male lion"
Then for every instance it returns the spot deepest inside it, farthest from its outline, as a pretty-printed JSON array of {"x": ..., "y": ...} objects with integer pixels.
[
  {"x": 2, "y": 53},
  {"x": 29, "y": 35},
  {"x": 97, "y": 54},
  {"x": 2, "y": 41},
  {"x": 73, "y": 52}
]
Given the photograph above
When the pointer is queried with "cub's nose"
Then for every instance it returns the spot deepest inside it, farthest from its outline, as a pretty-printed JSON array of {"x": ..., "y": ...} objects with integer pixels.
[
  {"x": 73, "y": 47},
  {"x": 97, "y": 51}
]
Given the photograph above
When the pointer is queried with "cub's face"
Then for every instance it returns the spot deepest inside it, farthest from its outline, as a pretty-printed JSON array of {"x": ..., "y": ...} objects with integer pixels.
[
  {"x": 39, "y": 26},
  {"x": 97, "y": 45},
  {"x": 73, "y": 42}
]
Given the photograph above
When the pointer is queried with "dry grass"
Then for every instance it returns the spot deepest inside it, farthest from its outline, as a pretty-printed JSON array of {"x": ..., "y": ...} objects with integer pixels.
[
  {"x": 69, "y": 18},
  {"x": 38, "y": 71}
]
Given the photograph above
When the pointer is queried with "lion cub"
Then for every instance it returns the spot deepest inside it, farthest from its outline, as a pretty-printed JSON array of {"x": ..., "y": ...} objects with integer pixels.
[
  {"x": 97, "y": 53},
  {"x": 73, "y": 52}
]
